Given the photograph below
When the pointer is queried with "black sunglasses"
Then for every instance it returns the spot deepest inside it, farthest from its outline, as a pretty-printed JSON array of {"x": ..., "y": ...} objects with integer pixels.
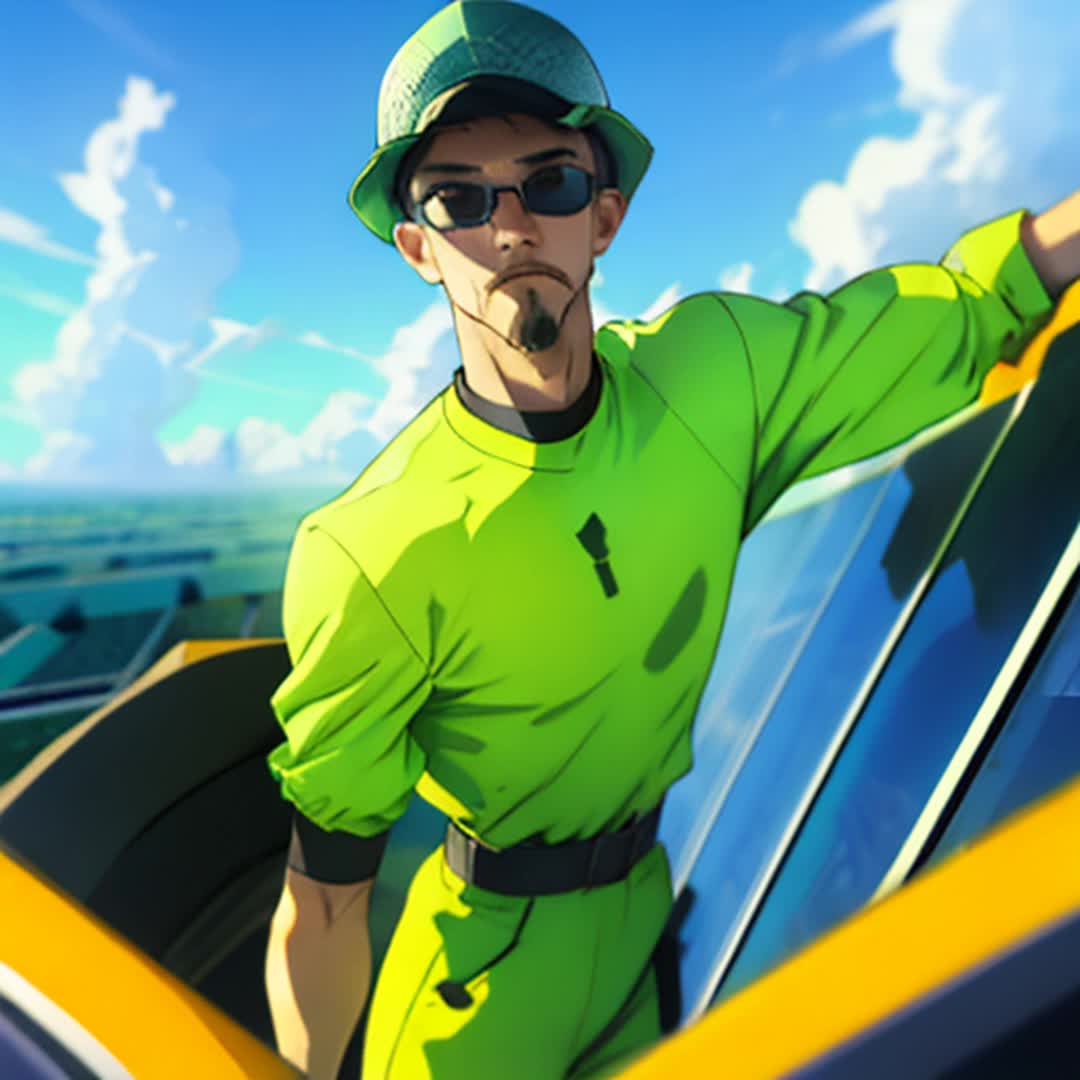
[{"x": 554, "y": 190}]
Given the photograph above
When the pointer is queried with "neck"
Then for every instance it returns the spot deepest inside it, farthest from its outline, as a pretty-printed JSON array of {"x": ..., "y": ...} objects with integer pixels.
[{"x": 506, "y": 374}]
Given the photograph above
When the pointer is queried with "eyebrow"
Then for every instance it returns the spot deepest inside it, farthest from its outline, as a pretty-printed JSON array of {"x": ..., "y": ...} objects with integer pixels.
[{"x": 528, "y": 159}]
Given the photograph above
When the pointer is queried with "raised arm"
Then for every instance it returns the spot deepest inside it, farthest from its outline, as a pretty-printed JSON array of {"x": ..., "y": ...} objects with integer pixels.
[
  {"x": 778, "y": 393},
  {"x": 840, "y": 378},
  {"x": 1052, "y": 241}
]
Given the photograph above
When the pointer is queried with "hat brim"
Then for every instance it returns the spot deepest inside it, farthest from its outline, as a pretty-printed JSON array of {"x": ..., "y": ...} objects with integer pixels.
[{"x": 372, "y": 195}]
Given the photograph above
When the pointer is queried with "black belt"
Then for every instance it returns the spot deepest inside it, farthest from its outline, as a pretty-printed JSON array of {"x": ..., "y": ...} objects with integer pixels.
[{"x": 528, "y": 870}]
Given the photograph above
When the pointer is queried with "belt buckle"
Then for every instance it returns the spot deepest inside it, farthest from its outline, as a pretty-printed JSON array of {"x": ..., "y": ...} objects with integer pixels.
[{"x": 461, "y": 852}]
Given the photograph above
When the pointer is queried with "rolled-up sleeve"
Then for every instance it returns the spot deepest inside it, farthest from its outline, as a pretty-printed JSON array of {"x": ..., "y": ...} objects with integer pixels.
[
  {"x": 348, "y": 761},
  {"x": 843, "y": 377}
]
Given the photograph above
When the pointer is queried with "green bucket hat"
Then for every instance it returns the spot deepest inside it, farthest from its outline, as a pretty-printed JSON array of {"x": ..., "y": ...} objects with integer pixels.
[{"x": 484, "y": 40}]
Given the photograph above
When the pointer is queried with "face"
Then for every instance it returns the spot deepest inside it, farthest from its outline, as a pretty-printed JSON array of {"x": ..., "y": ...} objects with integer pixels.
[{"x": 520, "y": 274}]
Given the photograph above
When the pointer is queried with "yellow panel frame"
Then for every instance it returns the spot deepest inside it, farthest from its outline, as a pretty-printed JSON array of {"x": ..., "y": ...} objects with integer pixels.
[
  {"x": 1018, "y": 879},
  {"x": 154, "y": 1024}
]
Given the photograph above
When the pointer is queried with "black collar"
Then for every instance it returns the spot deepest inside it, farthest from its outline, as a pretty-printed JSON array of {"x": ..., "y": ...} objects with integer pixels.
[{"x": 536, "y": 426}]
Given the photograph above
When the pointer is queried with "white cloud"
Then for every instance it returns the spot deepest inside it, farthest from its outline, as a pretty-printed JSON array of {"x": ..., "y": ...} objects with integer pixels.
[
  {"x": 993, "y": 90},
  {"x": 977, "y": 143},
  {"x": 16, "y": 229},
  {"x": 922, "y": 31},
  {"x": 50, "y": 303},
  {"x": 225, "y": 332},
  {"x": 315, "y": 340},
  {"x": 114, "y": 377},
  {"x": 884, "y": 164},
  {"x": 165, "y": 351},
  {"x": 165, "y": 198},
  {"x": 736, "y": 278},
  {"x": 420, "y": 362},
  {"x": 345, "y": 413},
  {"x": 863, "y": 27},
  {"x": 201, "y": 448},
  {"x": 258, "y": 450},
  {"x": 266, "y": 446},
  {"x": 601, "y": 313},
  {"x": 349, "y": 429},
  {"x": 110, "y": 156},
  {"x": 133, "y": 353},
  {"x": 665, "y": 300},
  {"x": 266, "y": 450},
  {"x": 62, "y": 454}
]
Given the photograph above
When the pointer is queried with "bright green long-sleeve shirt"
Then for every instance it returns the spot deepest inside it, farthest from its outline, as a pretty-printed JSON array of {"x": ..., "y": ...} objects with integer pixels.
[{"x": 521, "y": 631}]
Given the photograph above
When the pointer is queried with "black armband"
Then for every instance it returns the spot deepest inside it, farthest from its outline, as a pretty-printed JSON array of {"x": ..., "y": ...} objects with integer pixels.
[{"x": 333, "y": 857}]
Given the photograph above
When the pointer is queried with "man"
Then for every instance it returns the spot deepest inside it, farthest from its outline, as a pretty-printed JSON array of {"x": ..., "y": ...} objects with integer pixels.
[{"x": 514, "y": 609}]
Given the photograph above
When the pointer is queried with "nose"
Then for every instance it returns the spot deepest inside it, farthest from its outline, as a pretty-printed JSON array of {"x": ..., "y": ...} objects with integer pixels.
[{"x": 512, "y": 221}]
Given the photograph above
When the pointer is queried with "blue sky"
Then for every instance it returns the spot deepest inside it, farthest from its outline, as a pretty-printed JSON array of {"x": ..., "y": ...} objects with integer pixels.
[{"x": 185, "y": 297}]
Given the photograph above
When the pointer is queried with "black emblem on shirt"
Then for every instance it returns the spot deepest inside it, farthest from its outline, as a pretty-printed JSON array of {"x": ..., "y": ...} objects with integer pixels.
[{"x": 593, "y": 538}]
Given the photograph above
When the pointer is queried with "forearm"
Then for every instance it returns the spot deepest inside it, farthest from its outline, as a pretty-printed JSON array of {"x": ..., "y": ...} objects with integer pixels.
[
  {"x": 318, "y": 975},
  {"x": 1052, "y": 243}
]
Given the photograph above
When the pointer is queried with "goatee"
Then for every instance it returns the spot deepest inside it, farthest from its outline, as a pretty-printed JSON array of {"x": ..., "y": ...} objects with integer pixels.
[{"x": 539, "y": 328}]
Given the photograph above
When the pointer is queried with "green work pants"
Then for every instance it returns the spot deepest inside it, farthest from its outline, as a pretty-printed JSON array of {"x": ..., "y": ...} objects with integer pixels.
[{"x": 555, "y": 986}]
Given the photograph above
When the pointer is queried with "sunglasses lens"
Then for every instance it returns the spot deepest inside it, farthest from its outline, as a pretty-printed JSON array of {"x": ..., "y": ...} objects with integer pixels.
[
  {"x": 558, "y": 189},
  {"x": 456, "y": 206}
]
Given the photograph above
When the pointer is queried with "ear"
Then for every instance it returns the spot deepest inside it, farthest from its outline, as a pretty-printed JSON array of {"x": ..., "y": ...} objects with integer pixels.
[
  {"x": 609, "y": 209},
  {"x": 411, "y": 240}
]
